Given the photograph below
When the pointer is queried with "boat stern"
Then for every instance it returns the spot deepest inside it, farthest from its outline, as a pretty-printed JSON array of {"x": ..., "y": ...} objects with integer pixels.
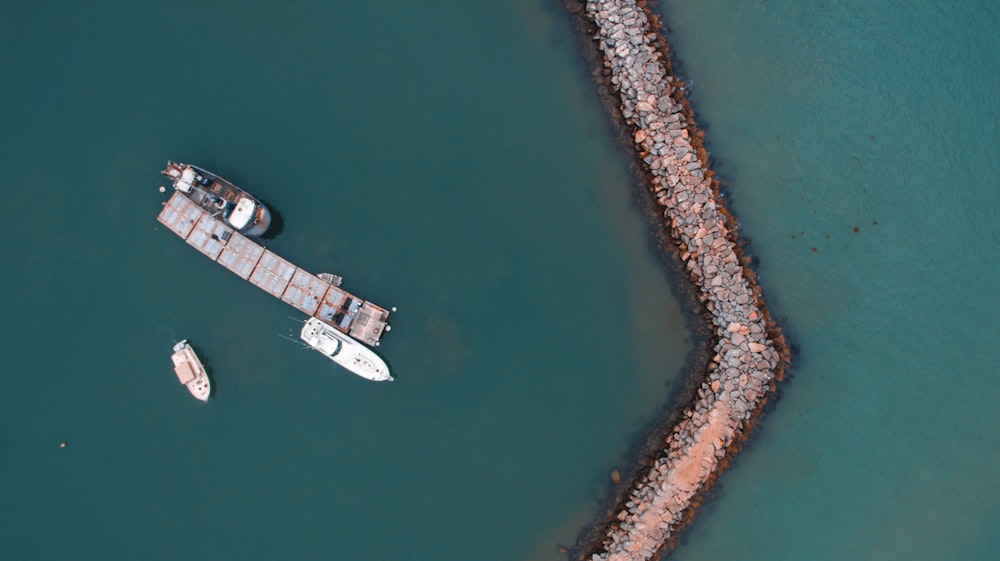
[{"x": 250, "y": 217}]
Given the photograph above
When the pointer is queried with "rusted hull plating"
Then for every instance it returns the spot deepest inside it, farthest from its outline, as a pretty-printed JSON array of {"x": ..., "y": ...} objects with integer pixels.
[{"x": 273, "y": 274}]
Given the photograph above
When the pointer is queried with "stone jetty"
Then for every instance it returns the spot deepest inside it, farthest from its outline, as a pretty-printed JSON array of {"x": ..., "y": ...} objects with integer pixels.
[{"x": 749, "y": 350}]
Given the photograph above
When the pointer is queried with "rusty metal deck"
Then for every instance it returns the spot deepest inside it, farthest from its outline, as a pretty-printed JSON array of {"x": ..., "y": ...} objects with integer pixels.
[
  {"x": 369, "y": 324},
  {"x": 240, "y": 256},
  {"x": 304, "y": 292},
  {"x": 272, "y": 273},
  {"x": 209, "y": 236},
  {"x": 180, "y": 215}
]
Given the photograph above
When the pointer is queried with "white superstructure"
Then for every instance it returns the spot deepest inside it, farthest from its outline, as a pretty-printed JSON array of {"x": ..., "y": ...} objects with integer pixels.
[
  {"x": 190, "y": 371},
  {"x": 345, "y": 351},
  {"x": 220, "y": 198},
  {"x": 243, "y": 213}
]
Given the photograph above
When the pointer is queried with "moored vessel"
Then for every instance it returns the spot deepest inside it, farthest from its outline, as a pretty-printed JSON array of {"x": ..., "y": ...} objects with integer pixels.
[
  {"x": 190, "y": 371},
  {"x": 220, "y": 198},
  {"x": 344, "y": 350}
]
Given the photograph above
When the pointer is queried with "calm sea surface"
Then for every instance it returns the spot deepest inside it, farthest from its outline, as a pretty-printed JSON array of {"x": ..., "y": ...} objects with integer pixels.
[
  {"x": 880, "y": 116},
  {"x": 450, "y": 158},
  {"x": 446, "y": 158}
]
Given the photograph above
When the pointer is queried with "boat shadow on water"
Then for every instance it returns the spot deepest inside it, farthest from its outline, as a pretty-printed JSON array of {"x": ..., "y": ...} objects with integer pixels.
[{"x": 277, "y": 222}]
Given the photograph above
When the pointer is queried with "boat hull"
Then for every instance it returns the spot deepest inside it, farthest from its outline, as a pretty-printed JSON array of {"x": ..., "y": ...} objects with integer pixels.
[
  {"x": 221, "y": 197},
  {"x": 345, "y": 351},
  {"x": 261, "y": 224},
  {"x": 190, "y": 371}
]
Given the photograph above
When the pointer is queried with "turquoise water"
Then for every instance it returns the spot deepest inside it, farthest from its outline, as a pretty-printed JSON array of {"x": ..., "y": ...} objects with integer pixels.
[
  {"x": 881, "y": 116},
  {"x": 450, "y": 159},
  {"x": 447, "y": 159}
]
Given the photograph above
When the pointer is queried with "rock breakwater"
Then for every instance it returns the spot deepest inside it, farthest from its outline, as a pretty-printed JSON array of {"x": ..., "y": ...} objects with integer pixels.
[{"x": 749, "y": 350}]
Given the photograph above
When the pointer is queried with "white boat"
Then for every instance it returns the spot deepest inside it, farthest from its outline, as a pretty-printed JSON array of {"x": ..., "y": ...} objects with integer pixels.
[
  {"x": 190, "y": 371},
  {"x": 344, "y": 350}
]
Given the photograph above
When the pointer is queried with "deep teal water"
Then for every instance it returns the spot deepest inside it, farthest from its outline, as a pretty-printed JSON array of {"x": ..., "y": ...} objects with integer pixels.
[{"x": 448, "y": 159}]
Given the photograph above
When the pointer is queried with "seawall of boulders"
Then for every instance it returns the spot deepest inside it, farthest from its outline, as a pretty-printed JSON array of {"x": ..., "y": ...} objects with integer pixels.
[{"x": 749, "y": 350}]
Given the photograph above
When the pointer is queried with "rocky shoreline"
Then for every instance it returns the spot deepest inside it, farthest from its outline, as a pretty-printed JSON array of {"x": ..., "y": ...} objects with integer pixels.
[{"x": 749, "y": 352}]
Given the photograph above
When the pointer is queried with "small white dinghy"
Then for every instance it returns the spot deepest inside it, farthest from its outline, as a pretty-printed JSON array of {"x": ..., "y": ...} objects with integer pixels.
[{"x": 190, "y": 371}]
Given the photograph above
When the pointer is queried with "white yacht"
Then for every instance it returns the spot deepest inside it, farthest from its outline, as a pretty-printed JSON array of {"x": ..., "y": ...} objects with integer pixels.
[
  {"x": 190, "y": 371},
  {"x": 345, "y": 351}
]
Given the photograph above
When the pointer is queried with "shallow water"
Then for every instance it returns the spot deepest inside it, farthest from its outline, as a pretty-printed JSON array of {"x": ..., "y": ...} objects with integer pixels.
[{"x": 882, "y": 117}]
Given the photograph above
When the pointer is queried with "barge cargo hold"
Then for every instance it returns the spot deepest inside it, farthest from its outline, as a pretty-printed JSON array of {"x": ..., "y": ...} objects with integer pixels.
[{"x": 317, "y": 296}]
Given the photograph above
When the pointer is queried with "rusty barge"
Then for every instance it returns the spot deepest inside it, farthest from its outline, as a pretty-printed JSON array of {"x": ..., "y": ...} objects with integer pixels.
[{"x": 317, "y": 296}]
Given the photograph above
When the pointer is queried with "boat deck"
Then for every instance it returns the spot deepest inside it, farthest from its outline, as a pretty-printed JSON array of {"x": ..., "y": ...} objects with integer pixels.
[{"x": 272, "y": 273}]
